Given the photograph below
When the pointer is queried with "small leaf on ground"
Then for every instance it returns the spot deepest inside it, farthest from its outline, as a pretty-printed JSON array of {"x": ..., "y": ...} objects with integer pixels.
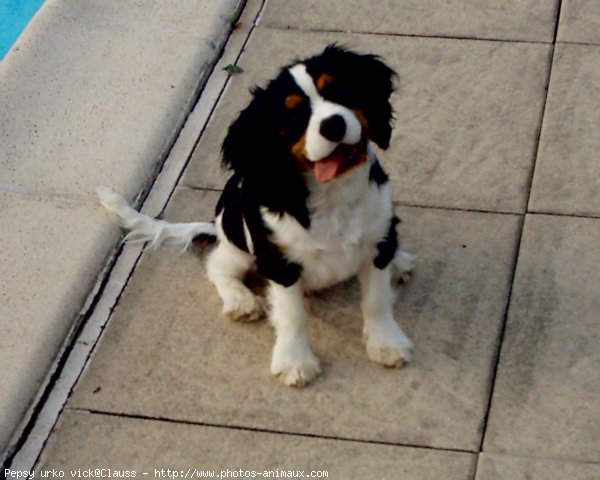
[{"x": 233, "y": 69}]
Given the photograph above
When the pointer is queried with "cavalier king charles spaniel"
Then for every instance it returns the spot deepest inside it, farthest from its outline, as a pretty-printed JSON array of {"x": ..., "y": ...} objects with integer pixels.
[{"x": 307, "y": 205}]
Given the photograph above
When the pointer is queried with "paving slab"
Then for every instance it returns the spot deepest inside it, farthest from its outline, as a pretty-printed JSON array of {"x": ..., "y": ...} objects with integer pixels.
[
  {"x": 51, "y": 253},
  {"x": 95, "y": 91},
  {"x": 467, "y": 114},
  {"x": 567, "y": 173},
  {"x": 168, "y": 353},
  {"x": 547, "y": 389},
  {"x": 505, "y": 467},
  {"x": 509, "y": 20},
  {"x": 579, "y": 21},
  {"x": 142, "y": 446}
]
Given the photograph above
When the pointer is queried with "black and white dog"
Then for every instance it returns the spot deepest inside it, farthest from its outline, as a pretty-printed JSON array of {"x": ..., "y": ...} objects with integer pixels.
[{"x": 308, "y": 205}]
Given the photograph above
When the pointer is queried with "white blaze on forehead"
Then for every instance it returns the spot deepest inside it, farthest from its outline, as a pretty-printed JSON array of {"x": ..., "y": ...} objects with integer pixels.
[
  {"x": 317, "y": 146},
  {"x": 305, "y": 81}
]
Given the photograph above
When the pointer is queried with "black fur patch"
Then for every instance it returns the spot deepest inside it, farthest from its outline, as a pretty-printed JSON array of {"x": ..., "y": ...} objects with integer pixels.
[
  {"x": 271, "y": 262},
  {"x": 258, "y": 149},
  {"x": 387, "y": 247},
  {"x": 231, "y": 204},
  {"x": 239, "y": 203},
  {"x": 377, "y": 174}
]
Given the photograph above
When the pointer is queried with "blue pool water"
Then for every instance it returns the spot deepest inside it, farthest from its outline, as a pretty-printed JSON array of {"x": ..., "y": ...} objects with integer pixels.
[{"x": 14, "y": 17}]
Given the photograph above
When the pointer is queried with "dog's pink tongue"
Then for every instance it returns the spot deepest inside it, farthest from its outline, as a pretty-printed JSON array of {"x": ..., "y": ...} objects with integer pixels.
[{"x": 326, "y": 170}]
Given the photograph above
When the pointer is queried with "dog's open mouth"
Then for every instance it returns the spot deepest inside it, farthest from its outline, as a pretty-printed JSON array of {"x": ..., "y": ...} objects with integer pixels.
[{"x": 339, "y": 161}]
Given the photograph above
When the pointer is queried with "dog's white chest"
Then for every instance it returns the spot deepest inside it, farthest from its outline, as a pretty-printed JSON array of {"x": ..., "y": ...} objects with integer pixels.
[
  {"x": 347, "y": 222},
  {"x": 335, "y": 249}
]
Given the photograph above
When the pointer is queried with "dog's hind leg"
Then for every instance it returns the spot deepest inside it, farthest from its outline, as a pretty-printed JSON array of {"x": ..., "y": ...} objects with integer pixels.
[
  {"x": 402, "y": 265},
  {"x": 226, "y": 267}
]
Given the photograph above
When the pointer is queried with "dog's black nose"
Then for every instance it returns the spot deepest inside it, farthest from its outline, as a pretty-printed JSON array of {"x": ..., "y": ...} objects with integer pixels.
[{"x": 333, "y": 128}]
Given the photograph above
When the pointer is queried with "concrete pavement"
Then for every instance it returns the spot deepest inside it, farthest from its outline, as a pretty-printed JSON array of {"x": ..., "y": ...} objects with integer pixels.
[{"x": 494, "y": 167}]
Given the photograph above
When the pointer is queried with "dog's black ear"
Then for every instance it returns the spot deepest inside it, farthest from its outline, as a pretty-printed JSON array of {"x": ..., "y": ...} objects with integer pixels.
[
  {"x": 256, "y": 151},
  {"x": 248, "y": 136},
  {"x": 379, "y": 86}
]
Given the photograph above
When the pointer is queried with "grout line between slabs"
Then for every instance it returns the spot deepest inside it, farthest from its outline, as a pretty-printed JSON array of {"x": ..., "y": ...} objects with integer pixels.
[
  {"x": 112, "y": 281},
  {"x": 502, "y": 334},
  {"x": 457, "y": 209},
  {"x": 397, "y": 204},
  {"x": 537, "y": 150},
  {"x": 539, "y": 138},
  {"x": 557, "y": 24},
  {"x": 542, "y": 457},
  {"x": 407, "y": 35},
  {"x": 582, "y": 44},
  {"x": 445, "y": 208},
  {"x": 565, "y": 215},
  {"x": 264, "y": 430}
]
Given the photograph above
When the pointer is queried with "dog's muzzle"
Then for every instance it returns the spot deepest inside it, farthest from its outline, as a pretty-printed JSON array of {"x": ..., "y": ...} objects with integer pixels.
[{"x": 330, "y": 125}]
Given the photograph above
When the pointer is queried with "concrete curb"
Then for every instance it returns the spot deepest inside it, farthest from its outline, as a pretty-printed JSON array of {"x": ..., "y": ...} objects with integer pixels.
[{"x": 94, "y": 93}]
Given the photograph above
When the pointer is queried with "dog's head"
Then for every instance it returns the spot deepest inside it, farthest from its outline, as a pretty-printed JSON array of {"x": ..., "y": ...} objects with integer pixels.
[{"x": 316, "y": 115}]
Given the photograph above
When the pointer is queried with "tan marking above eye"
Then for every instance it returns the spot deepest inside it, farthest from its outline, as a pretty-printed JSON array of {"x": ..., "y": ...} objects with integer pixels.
[
  {"x": 293, "y": 100},
  {"x": 324, "y": 80}
]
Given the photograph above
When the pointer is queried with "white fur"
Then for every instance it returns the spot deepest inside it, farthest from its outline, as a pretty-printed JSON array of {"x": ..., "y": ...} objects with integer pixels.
[
  {"x": 318, "y": 147},
  {"x": 386, "y": 342},
  {"x": 402, "y": 266},
  {"x": 293, "y": 360},
  {"x": 348, "y": 218},
  {"x": 142, "y": 228}
]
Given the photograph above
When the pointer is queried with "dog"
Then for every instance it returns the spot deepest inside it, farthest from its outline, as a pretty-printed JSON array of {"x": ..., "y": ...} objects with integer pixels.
[{"x": 307, "y": 205}]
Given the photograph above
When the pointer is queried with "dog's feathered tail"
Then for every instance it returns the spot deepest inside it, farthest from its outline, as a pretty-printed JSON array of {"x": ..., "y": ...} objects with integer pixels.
[{"x": 143, "y": 228}]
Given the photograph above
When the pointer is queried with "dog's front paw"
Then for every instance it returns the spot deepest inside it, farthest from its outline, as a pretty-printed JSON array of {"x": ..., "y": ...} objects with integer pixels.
[
  {"x": 388, "y": 345},
  {"x": 294, "y": 363},
  {"x": 244, "y": 306}
]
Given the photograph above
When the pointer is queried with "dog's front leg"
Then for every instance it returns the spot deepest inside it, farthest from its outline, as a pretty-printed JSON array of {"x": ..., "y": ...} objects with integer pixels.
[
  {"x": 386, "y": 342},
  {"x": 293, "y": 359}
]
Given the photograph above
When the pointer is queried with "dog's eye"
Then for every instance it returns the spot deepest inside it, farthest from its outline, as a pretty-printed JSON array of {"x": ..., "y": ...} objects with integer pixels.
[
  {"x": 332, "y": 89},
  {"x": 293, "y": 101},
  {"x": 324, "y": 81}
]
